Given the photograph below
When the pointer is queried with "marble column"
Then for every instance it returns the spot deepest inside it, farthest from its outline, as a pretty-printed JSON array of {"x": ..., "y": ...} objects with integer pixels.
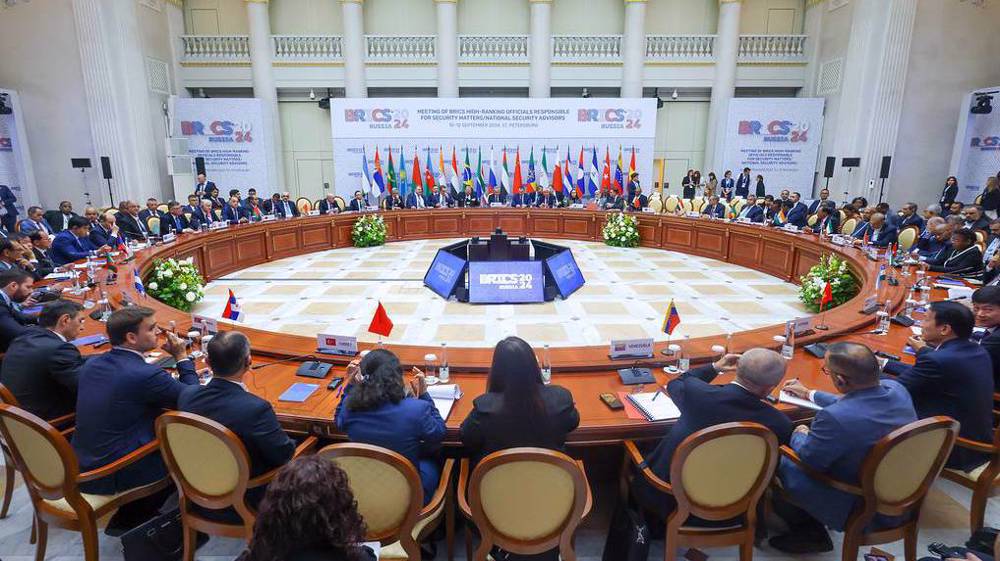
[
  {"x": 353, "y": 46},
  {"x": 727, "y": 46},
  {"x": 540, "y": 49},
  {"x": 175, "y": 29},
  {"x": 866, "y": 123},
  {"x": 264, "y": 87},
  {"x": 121, "y": 116},
  {"x": 447, "y": 47},
  {"x": 633, "y": 48}
]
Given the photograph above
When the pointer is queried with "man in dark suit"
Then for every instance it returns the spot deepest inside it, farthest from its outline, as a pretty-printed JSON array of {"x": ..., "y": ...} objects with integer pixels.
[
  {"x": 151, "y": 210},
  {"x": 986, "y": 307},
  {"x": 394, "y": 201},
  {"x": 59, "y": 219},
  {"x": 964, "y": 259},
  {"x": 714, "y": 209},
  {"x": 41, "y": 367},
  {"x": 175, "y": 221},
  {"x": 827, "y": 220},
  {"x": 497, "y": 196},
  {"x": 35, "y": 221},
  {"x": 205, "y": 216},
  {"x": 271, "y": 205},
  {"x": 358, "y": 203},
  {"x": 73, "y": 244},
  {"x": 930, "y": 242},
  {"x": 193, "y": 204},
  {"x": 226, "y": 401},
  {"x": 836, "y": 444},
  {"x": 233, "y": 212},
  {"x": 751, "y": 210},
  {"x": 106, "y": 232},
  {"x": 203, "y": 185},
  {"x": 974, "y": 219},
  {"x": 703, "y": 404},
  {"x": 546, "y": 199},
  {"x": 638, "y": 200},
  {"x": 441, "y": 199},
  {"x": 799, "y": 213},
  {"x": 743, "y": 183},
  {"x": 824, "y": 196},
  {"x": 8, "y": 204},
  {"x": 118, "y": 399},
  {"x": 415, "y": 199},
  {"x": 521, "y": 199},
  {"x": 15, "y": 292},
  {"x": 42, "y": 265},
  {"x": 285, "y": 207},
  {"x": 953, "y": 376},
  {"x": 910, "y": 217},
  {"x": 881, "y": 234},
  {"x": 613, "y": 201},
  {"x": 329, "y": 205},
  {"x": 128, "y": 221}
]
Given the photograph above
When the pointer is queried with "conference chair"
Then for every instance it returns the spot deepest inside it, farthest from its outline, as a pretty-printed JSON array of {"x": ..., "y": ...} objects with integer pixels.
[
  {"x": 698, "y": 203},
  {"x": 706, "y": 483},
  {"x": 52, "y": 476},
  {"x": 981, "y": 237},
  {"x": 304, "y": 205},
  {"x": 907, "y": 237},
  {"x": 218, "y": 213},
  {"x": 847, "y": 226},
  {"x": 671, "y": 203},
  {"x": 524, "y": 500},
  {"x": 186, "y": 440},
  {"x": 895, "y": 478},
  {"x": 153, "y": 225},
  {"x": 656, "y": 203},
  {"x": 687, "y": 205},
  {"x": 340, "y": 202},
  {"x": 843, "y": 216},
  {"x": 982, "y": 481},
  {"x": 387, "y": 489},
  {"x": 738, "y": 203},
  {"x": 811, "y": 221},
  {"x": 188, "y": 215},
  {"x": 979, "y": 199},
  {"x": 163, "y": 208}
]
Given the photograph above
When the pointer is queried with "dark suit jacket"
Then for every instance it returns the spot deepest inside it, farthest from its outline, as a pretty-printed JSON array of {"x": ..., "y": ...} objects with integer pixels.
[
  {"x": 520, "y": 199},
  {"x": 832, "y": 228},
  {"x": 175, "y": 224},
  {"x": 496, "y": 198},
  {"x": 99, "y": 237},
  {"x": 42, "y": 371},
  {"x": 12, "y": 324},
  {"x": 754, "y": 213},
  {"x": 393, "y": 202},
  {"x": 439, "y": 199},
  {"x": 815, "y": 206},
  {"x": 489, "y": 427},
  {"x": 886, "y": 236},
  {"x": 688, "y": 191},
  {"x": 279, "y": 209},
  {"x": 948, "y": 195},
  {"x": 202, "y": 189},
  {"x": 412, "y": 198},
  {"x": 129, "y": 227},
  {"x": 717, "y": 210},
  {"x": 798, "y": 216},
  {"x": 66, "y": 248},
  {"x": 543, "y": 201},
  {"x": 615, "y": 202},
  {"x": 966, "y": 263},
  {"x": 44, "y": 265},
  {"x": 727, "y": 187},
  {"x": 912, "y": 220},
  {"x": 990, "y": 199},
  {"x": 643, "y": 202},
  {"x": 118, "y": 400},
  {"x": 760, "y": 190},
  {"x": 356, "y": 205},
  {"x": 201, "y": 218},
  {"x": 234, "y": 215},
  {"x": 992, "y": 345},
  {"x": 145, "y": 214},
  {"x": 28, "y": 226},
  {"x": 703, "y": 405},
  {"x": 327, "y": 208},
  {"x": 743, "y": 185},
  {"x": 955, "y": 380},
  {"x": 55, "y": 219},
  {"x": 982, "y": 224},
  {"x": 9, "y": 201}
]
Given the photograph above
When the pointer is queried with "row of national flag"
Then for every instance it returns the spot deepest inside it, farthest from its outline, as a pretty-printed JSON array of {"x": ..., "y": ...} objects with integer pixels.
[{"x": 495, "y": 177}]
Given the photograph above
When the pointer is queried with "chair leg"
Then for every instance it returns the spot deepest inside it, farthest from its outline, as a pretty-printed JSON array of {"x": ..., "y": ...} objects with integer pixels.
[
  {"x": 977, "y": 510},
  {"x": 91, "y": 551},
  {"x": 43, "y": 535},
  {"x": 670, "y": 545},
  {"x": 910, "y": 542},
  {"x": 852, "y": 544},
  {"x": 449, "y": 526},
  {"x": 468, "y": 542},
  {"x": 746, "y": 546},
  {"x": 190, "y": 542},
  {"x": 8, "y": 486},
  {"x": 34, "y": 530}
]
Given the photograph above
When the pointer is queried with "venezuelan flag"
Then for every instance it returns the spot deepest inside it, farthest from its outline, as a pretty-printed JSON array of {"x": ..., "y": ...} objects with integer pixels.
[{"x": 671, "y": 319}]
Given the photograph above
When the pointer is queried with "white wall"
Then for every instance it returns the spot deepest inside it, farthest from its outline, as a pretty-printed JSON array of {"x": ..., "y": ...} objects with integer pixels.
[
  {"x": 400, "y": 17},
  {"x": 308, "y": 147},
  {"x": 155, "y": 39},
  {"x": 306, "y": 17},
  {"x": 953, "y": 52},
  {"x": 587, "y": 17},
  {"x": 217, "y": 17},
  {"x": 40, "y": 61},
  {"x": 680, "y": 140},
  {"x": 490, "y": 16},
  {"x": 681, "y": 17}
]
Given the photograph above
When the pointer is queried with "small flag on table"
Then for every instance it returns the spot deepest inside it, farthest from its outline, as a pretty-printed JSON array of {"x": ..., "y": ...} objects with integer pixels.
[
  {"x": 671, "y": 319},
  {"x": 827, "y": 297},
  {"x": 138, "y": 282},
  {"x": 232, "y": 311},
  {"x": 381, "y": 324},
  {"x": 109, "y": 263}
]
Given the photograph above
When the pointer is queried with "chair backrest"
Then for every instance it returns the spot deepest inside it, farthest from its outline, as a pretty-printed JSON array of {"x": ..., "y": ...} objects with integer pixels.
[
  {"x": 153, "y": 224},
  {"x": 386, "y": 487},
  {"x": 902, "y": 465},
  {"x": 304, "y": 205},
  {"x": 340, "y": 202},
  {"x": 42, "y": 455},
  {"x": 656, "y": 203},
  {"x": 186, "y": 440},
  {"x": 670, "y": 205},
  {"x": 843, "y": 216},
  {"x": 722, "y": 471},
  {"x": 847, "y": 226},
  {"x": 162, "y": 208},
  {"x": 7, "y": 397},
  {"x": 907, "y": 237},
  {"x": 527, "y": 500},
  {"x": 812, "y": 220},
  {"x": 698, "y": 203},
  {"x": 738, "y": 205},
  {"x": 687, "y": 205},
  {"x": 981, "y": 236}
]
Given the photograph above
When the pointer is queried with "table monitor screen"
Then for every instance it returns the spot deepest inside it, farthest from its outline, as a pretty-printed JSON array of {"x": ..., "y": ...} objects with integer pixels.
[
  {"x": 444, "y": 273},
  {"x": 506, "y": 282},
  {"x": 565, "y": 272}
]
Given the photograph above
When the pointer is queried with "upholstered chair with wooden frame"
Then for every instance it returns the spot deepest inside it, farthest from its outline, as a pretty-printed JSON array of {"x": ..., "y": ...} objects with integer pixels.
[
  {"x": 655, "y": 202},
  {"x": 706, "y": 483},
  {"x": 811, "y": 221},
  {"x": 389, "y": 494},
  {"x": 186, "y": 440},
  {"x": 698, "y": 203},
  {"x": 51, "y": 474},
  {"x": 339, "y": 201},
  {"x": 153, "y": 225},
  {"x": 162, "y": 207},
  {"x": 671, "y": 203},
  {"x": 6, "y": 397},
  {"x": 907, "y": 237},
  {"x": 982, "y": 481},
  {"x": 847, "y": 226},
  {"x": 525, "y": 501},
  {"x": 895, "y": 478},
  {"x": 738, "y": 203},
  {"x": 303, "y": 204}
]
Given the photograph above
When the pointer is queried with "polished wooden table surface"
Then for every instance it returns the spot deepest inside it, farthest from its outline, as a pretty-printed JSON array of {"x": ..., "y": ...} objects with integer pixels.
[{"x": 585, "y": 371}]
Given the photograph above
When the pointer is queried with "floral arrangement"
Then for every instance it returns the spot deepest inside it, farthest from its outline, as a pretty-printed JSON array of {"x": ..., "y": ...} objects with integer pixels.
[
  {"x": 176, "y": 283},
  {"x": 843, "y": 284},
  {"x": 620, "y": 230},
  {"x": 368, "y": 231}
]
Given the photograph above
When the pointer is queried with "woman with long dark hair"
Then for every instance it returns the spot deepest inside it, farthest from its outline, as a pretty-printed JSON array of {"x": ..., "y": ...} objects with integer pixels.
[
  {"x": 759, "y": 189},
  {"x": 308, "y": 514},
  {"x": 518, "y": 409},
  {"x": 990, "y": 198},
  {"x": 949, "y": 192},
  {"x": 380, "y": 408}
]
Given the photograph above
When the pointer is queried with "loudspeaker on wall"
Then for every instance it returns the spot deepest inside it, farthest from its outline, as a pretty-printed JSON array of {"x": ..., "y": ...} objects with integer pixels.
[{"x": 106, "y": 167}]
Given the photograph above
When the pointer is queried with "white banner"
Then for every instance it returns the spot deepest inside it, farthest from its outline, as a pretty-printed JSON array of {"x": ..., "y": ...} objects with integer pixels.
[
  {"x": 774, "y": 137},
  {"x": 230, "y": 134},
  {"x": 426, "y": 127},
  {"x": 15, "y": 164},
  {"x": 980, "y": 152}
]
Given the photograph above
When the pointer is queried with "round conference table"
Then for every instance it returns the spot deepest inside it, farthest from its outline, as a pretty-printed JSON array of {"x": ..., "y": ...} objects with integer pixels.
[{"x": 585, "y": 371}]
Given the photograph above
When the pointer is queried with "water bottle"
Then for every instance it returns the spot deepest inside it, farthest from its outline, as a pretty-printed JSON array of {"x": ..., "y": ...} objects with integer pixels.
[
  {"x": 430, "y": 364},
  {"x": 684, "y": 357},
  {"x": 546, "y": 365},
  {"x": 443, "y": 374},
  {"x": 883, "y": 317},
  {"x": 788, "y": 348}
]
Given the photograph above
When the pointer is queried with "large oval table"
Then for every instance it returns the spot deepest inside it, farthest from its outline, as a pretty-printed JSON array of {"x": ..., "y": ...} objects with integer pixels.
[{"x": 585, "y": 371}]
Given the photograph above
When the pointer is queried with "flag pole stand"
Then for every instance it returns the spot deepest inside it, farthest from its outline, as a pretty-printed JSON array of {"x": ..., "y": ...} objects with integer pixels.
[
  {"x": 380, "y": 345},
  {"x": 666, "y": 350},
  {"x": 821, "y": 326}
]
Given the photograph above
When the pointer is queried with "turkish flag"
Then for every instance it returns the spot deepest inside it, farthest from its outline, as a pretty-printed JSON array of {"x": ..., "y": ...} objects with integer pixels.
[
  {"x": 381, "y": 324},
  {"x": 827, "y": 296}
]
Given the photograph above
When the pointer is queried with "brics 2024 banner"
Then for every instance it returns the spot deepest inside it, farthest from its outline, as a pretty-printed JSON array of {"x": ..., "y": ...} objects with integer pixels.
[
  {"x": 230, "y": 134},
  {"x": 488, "y": 128},
  {"x": 774, "y": 137}
]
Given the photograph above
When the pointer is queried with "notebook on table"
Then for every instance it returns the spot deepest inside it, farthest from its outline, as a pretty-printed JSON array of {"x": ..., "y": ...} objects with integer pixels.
[
  {"x": 785, "y": 397},
  {"x": 298, "y": 392},
  {"x": 660, "y": 409},
  {"x": 444, "y": 396}
]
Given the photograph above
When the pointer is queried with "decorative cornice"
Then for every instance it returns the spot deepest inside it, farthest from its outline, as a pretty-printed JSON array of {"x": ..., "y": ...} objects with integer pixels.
[
  {"x": 352, "y": 1},
  {"x": 446, "y": 1},
  {"x": 730, "y": 1},
  {"x": 539, "y": 1},
  {"x": 257, "y": 1},
  {"x": 178, "y": 3},
  {"x": 811, "y": 3},
  {"x": 636, "y": 1}
]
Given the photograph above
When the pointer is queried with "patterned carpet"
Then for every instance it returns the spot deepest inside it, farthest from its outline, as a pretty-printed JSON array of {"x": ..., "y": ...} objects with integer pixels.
[{"x": 625, "y": 296}]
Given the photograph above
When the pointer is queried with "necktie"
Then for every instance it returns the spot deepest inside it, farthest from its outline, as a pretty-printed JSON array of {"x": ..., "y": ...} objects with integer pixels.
[
  {"x": 142, "y": 227},
  {"x": 288, "y": 210},
  {"x": 978, "y": 337},
  {"x": 177, "y": 223}
]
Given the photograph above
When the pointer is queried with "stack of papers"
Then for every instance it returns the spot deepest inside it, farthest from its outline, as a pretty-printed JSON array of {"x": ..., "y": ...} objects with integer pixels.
[
  {"x": 660, "y": 409},
  {"x": 444, "y": 396},
  {"x": 60, "y": 276},
  {"x": 785, "y": 397}
]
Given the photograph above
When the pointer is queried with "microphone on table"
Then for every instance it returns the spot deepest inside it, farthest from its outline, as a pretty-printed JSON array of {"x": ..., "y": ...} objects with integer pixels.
[{"x": 309, "y": 356}]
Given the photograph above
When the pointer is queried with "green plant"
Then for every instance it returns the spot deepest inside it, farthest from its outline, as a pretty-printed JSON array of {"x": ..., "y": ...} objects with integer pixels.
[
  {"x": 843, "y": 284},
  {"x": 368, "y": 231},
  {"x": 176, "y": 283},
  {"x": 621, "y": 230}
]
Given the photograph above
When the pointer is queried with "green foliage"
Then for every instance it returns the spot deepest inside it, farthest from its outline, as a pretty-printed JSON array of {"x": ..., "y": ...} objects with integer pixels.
[
  {"x": 176, "y": 283},
  {"x": 368, "y": 231},
  {"x": 843, "y": 284},
  {"x": 621, "y": 230}
]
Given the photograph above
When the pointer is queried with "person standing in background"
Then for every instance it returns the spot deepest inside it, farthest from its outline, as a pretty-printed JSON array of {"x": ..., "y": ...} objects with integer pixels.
[
  {"x": 949, "y": 192},
  {"x": 8, "y": 208}
]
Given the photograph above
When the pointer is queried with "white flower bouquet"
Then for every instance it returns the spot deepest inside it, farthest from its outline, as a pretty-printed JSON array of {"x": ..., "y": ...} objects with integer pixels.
[
  {"x": 368, "y": 231},
  {"x": 176, "y": 283},
  {"x": 621, "y": 230},
  {"x": 843, "y": 284}
]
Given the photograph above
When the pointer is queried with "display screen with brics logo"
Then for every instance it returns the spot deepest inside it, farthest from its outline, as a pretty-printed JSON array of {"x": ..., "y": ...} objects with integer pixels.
[{"x": 506, "y": 282}]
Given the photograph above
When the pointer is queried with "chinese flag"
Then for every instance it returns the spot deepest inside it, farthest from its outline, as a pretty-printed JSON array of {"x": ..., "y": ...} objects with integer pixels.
[
  {"x": 381, "y": 324},
  {"x": 827, "y": 296}
]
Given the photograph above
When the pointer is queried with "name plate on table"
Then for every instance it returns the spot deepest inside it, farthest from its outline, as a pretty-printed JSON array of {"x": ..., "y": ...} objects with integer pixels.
[
  {"x": 692, "y": 214},
  {"x": 219, "y": 226},
  {"x": 204, "y": 324},
  {"x": 313, "y": 213},
  {"x": 267, "y": 218},
  {"x": 337, "y": 344},
  {"x": 169, "y": 237},
  {"x": 497, "y": 205},
  {"x": 576, "y": 205},
  {"x": 798, "y": 325},
  {"x": 648, "y": 210},
  {"x": 371, "y": 208},
  {"x": 631, "y": 348},
  {"x": 791, "y": 228},
  {"x": 870, "y": 305}
]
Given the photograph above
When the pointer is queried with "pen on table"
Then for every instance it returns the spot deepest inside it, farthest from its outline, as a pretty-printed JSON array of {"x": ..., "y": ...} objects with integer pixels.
[{"x": 659, "y": 390}]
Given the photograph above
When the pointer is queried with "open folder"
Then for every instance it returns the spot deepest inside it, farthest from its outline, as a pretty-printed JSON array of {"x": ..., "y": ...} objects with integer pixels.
[{"x": 444, "y": 396}]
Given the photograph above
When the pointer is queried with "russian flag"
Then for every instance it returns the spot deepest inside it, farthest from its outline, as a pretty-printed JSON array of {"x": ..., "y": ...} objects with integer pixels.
[
  {"x": 232, "y": 311},
  {"x": 139, "y": 287}
]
